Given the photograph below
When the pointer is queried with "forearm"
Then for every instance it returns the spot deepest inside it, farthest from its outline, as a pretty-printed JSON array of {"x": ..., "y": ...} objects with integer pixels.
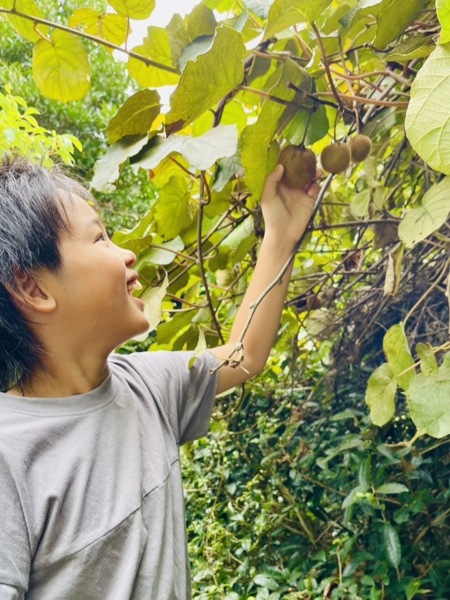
[
  {"x": 286, "y": 214},
  {"x": 262, "y": 329}
]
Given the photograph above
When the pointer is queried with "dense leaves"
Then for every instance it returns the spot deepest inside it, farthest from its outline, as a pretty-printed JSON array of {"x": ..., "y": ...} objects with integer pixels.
[{"x": 298, "y": 494}]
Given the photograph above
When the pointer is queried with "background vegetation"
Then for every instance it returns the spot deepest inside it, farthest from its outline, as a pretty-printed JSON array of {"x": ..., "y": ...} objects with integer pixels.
[{"x": 302, "y": 490}]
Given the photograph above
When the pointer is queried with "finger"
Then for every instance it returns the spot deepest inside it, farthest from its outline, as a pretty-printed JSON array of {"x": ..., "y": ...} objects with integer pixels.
[
  {"x": 278, "y": 173},
  {"x": 272, "y": 179},
  {"x": 313, "y": 190}
]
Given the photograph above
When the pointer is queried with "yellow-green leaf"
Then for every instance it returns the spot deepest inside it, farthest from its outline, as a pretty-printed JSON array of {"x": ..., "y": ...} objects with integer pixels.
[
  {"x": 359, "y": 204},
  {"x": 428, "y": 362},
  {"x": 380, "y": 395},
  {"x": 135, "y": 116},
  {"x": 429, "y": 402},
  {"x": 108, "y": 26},
  {"x": 396, "y": 349},
  {"x": 173, "y": 211},
  {"x": 220, "y": 71},
  {"x": 197, "y": 24},
  {"x": 256, "y": 138},
  {"x": 427, "y": 120},
  {"x": 133, "y": 9},
  {"x": 153, "y": 298},
  {"x": 443, "y": 14},
  {"x": 419, "y": 46},
  {"x": 27, "y": 28},
  {"x": 393, "y": 18},
  {"x": 420, "y": 222},
  {"x": 61, "y": 67},
  {"x": 156, "y": 47},
  {"x": 285, "y": 13}
]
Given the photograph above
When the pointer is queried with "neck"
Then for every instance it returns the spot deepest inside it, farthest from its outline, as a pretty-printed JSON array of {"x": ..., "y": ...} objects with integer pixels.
[{"x": 65, "y": 377}]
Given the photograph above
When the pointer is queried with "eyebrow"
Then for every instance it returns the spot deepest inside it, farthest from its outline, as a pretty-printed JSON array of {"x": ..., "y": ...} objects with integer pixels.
[{"x": 95, "y": 221}]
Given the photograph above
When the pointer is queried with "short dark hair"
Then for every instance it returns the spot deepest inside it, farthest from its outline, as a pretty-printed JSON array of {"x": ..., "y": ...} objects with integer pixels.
[{"x": 32, "y": 220}]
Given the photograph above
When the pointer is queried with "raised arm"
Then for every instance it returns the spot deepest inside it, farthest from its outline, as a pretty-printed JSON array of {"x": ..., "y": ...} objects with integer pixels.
[{"x": 286, "y": 213}]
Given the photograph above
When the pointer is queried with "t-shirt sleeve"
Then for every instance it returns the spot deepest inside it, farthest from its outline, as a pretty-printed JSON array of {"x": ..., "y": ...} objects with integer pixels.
[
  {"x": 184, "y": 387},
  {"x": 14, "y": 542}
]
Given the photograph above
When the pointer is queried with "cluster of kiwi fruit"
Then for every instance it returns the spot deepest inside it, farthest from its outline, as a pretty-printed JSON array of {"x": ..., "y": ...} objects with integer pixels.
[{"x": 300, "y": 162}]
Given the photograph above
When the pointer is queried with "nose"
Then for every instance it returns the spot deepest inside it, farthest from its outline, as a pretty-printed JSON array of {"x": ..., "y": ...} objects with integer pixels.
[{"x": 129, "y": 257}]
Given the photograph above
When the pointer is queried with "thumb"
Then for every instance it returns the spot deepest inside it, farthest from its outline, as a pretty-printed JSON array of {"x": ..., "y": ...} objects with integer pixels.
[{"x": 270, "y": 187}]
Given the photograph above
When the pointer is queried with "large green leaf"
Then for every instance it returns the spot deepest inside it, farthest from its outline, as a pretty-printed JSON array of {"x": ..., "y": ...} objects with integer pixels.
[
  {"x": 427, "y": 120},
  {"x": 443, "y": 13},
  {"x": 173, "y": 211},
  {"x": 396, "y": 349},
  {"x": 108, "y": 26},
  {"x": 133, "y": 9},
  {"x": 107, "y": 169},
  {"x": 210, "y": 78},
  {"x": 380, "y": 395},
  {"x": 256, "y": 138},
  {"x": 135, "y": 116},
  {"x": 429, "y": 402},
  {"x": 61, "y": 67},
  {"x": 201, "y": 152},
  {"x": 393, "y": 19},
  {"x": 285, "y": 13},
  {"x": 156, "y": 47},
  {"x": 200, "y": 23},
  {"x": 26, "y": 27},
  {"x": 420, "y": 222}
]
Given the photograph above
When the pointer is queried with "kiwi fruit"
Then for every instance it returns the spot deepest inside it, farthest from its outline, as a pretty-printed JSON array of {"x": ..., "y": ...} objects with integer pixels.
[
  {"x": 335, "y": 158},
  {"x": 299, "y": 166},
  {"x": 360, "y": 147}
]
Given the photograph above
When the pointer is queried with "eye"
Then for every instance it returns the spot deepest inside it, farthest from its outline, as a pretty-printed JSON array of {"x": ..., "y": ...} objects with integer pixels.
[{"x": 102, "y": 237}]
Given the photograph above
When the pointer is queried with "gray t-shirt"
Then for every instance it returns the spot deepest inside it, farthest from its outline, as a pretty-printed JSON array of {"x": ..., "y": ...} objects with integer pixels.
[{"x": 91, "y": 500}]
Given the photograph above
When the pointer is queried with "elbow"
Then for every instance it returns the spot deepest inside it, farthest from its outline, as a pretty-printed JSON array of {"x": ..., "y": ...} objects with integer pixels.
[{"x": 254, "y": 367}]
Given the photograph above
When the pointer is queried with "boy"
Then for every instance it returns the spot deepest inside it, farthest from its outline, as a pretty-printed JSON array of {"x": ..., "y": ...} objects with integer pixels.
[{"x": 91, "y": 503}]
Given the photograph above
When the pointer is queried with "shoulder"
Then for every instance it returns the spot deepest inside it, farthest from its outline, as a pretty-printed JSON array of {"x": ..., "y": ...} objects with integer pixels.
[{"x": 162, "y": 365}]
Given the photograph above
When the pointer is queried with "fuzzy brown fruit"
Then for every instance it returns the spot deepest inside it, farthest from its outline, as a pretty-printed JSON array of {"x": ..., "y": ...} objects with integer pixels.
[
  {"x": 360, "y": 147},
  {"x": 335, "y": 158},
  {"x": 299, "y": 166}
]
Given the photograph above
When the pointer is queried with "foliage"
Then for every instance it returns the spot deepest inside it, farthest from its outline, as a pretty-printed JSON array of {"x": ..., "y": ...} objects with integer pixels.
[
  {"x": 20, "y": 132},
  {"x": 341, "y": 508}
]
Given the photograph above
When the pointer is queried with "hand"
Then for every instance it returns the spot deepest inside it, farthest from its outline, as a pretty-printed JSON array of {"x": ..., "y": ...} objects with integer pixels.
[{"x": 286, "y": 210}]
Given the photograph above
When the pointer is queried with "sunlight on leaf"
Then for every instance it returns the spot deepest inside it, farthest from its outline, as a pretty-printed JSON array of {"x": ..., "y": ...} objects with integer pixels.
[
  {"x": 427, "y": 120},
  {"x": 61, "y": 67},
  {"x": 380, "y": 395},
  {"x": 422, "y": 221}
]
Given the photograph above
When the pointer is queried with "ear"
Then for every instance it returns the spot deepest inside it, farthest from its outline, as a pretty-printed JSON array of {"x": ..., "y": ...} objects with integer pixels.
[{"x": 32, "y": 293}]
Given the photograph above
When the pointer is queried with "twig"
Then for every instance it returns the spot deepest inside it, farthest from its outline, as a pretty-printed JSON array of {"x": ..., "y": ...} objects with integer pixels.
[
  {"x": 204, "y": 186},
  {"x": 88, "y": 36},
  {"x": 428, "y": 292},
  {"x": 327, "y": 68},
  {"x": 362, "y": 100}
]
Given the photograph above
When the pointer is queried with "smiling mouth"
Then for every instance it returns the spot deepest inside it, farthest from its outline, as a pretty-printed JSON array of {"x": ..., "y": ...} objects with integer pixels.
[{"x": 133, "y": 286}]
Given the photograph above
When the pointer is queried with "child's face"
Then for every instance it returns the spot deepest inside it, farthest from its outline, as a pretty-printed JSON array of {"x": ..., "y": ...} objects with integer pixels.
[{"x": 94, "y": 285}]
